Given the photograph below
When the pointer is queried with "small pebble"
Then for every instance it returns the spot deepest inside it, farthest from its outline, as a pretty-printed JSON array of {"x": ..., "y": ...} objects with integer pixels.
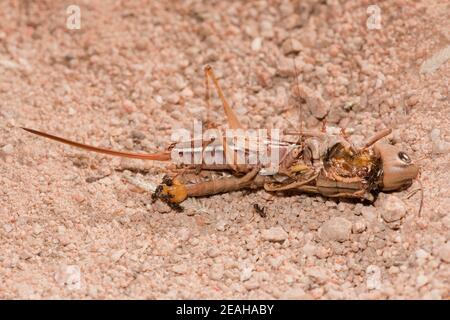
[
  {"x": 8, "y": 149},
  {"x": 221, "y": 225},
  {"x": 183, "y": 234},
  {"x": 277, "y": 261},
  {"x": 252, "y": 284},
  {"x": 274, "y": 234},
  {"x": 421, "y": 254},
  {"x": 8, "y": 227},
  {"x": 216, "y": 271},
  {"x": 213, "y": 252},
  {"x": 286, "y": 67},
  {"x": 309, "y": 249},
  {"x": 295, "y": 294},
  {"x": 291, "y": 46},
  {"x": 180, "y": 268},
  {"x": 359, "y": 226},
  {"x": 318, "y": 274},
  {"x": 393, "y": 208},
  {"x": 161, "y": 207},
  {"x": 137, "y": 135},
  {"x": 37, "y": 229},
  {"x": 435, "y": 61},
  {"x": 412, "y": 101},
  {"x": 373, "y": 280},
  {"x": 318, "y": 107},
  {"x": 116, "y": 255},
  {"x": 61, "y": 230},
  {"x": 421, "y": 280},
  {"x": 246, "y": 273},
  {"x": 266, "y": 28},
  {"x": 444, "y": 252},
  {"x": 336, "y": 229},
  {"x": 141, "y": 44},
  {"x": 369, "y": 213},
  {"x": 257, "y": 44},
  {"x": 439, "y": 146}
]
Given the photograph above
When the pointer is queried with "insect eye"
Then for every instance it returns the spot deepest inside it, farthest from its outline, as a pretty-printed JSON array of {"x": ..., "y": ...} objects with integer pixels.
[{"x": 404, "y": 157}]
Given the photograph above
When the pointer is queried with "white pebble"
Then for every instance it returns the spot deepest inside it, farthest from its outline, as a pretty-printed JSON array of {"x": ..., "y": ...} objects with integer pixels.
[
  {"x": 8, "y": 149},
  {"x": 61, "y": 230},
  {"x": 257, "y": 44},
  {"x": 433, "y": 63},
  {"x": 7, "y": 227},
  {"x": 246, "y": 273},
  {"x": 359, "y": 226},
  {"x": 421, "y": 254},
  {"x": 439, "y": 146},
  {"x": 373, "y": 281},
  {"x": 277, "y": 261},
  {"x": 274, "y": 234},
  {"x": 421, "y": 280},
  {"x": 37, "y": 229}
]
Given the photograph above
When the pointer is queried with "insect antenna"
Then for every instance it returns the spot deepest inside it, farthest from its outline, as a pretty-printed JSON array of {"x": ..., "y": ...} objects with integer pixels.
[
  {"x": 413, "y": 192},
  {"x": 378, "y": 136}
]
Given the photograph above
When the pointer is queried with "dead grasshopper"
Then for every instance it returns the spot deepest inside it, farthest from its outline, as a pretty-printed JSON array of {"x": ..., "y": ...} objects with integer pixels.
[{"x": 315, "y": 162}]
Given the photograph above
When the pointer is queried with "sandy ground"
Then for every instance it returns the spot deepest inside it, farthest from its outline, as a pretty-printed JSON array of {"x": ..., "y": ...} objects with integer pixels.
[{"x": 71, "y": 227}]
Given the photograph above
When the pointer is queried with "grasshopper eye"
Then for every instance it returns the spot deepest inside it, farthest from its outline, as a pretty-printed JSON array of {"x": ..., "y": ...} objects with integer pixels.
[{"x": 404, "y": 157}]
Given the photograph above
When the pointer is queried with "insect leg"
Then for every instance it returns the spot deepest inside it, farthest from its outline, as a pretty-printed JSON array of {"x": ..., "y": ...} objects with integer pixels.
[
  {"x": 233, "y": 121},
  {"x": 223, "y": 185}
]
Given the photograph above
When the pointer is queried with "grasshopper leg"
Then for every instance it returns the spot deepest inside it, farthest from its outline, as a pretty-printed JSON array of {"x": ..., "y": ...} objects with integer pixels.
[
  {"x": 233, "y": 120},
  {"x": 174, "y": 191}
]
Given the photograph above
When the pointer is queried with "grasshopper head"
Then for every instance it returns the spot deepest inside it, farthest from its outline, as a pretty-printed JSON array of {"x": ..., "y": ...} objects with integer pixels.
[{"x": 398, "y": 169}]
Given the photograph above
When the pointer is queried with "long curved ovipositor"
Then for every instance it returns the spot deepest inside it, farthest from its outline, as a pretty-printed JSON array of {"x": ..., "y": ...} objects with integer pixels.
[{"x": 162, "y": 156}]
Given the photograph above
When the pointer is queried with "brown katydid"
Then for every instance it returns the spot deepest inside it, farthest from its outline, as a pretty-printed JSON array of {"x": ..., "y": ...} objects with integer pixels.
[{"x": 315, "y": 163}]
